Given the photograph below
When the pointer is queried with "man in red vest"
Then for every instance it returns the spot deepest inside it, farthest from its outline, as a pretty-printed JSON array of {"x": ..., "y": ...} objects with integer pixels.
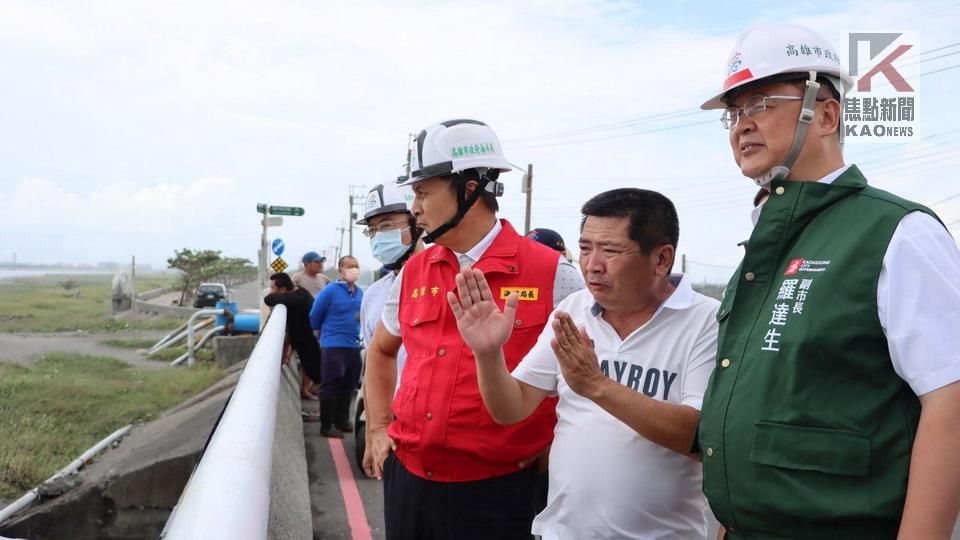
[{"x": 449, "y": 470}]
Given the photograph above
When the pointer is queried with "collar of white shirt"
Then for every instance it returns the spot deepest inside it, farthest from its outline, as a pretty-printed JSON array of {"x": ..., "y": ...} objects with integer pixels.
[
  {"x": 473, "y": 254},
  {"x": 680, "y": 298},
  {"x": 828, "y": 179}
]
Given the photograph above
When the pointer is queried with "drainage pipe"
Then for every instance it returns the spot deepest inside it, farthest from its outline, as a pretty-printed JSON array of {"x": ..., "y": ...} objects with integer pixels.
[{"x": 34, "y": 494}]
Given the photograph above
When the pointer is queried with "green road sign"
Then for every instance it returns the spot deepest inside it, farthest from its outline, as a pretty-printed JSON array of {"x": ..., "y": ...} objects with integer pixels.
[{"x": 281, "y": 210}]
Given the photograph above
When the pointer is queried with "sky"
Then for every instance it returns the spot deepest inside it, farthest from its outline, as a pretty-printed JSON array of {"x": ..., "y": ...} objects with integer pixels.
[{"x": 139, "y": 128}]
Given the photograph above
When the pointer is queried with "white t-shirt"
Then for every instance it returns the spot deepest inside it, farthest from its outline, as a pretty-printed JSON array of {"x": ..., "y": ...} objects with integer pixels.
[
  {"x": 607, "y": 481},
  {"x": 371, "y": 308},
  {"x": 567, "y": 281},
  {"x": 918, "y": 300}
]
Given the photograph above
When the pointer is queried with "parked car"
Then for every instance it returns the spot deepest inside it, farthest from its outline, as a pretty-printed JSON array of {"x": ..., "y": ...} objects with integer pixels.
[{"x": 208, "y": 294}]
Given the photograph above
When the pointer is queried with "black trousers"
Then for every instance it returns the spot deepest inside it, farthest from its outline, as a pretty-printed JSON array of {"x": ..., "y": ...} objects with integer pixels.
[
  {"x": 341, "y": 371},
  {"x": 310, "y": 359},
  {"x": 492, "y": 509}
]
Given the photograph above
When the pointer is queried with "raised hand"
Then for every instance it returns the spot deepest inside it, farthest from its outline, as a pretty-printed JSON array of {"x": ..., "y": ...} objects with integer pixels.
[
  {"x": 482, "y": 325},
  {"x": 578, "y": 363}
]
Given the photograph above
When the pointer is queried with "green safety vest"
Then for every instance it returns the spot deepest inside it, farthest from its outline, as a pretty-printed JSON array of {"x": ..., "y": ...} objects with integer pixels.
[{"x": 806, "y": 430}]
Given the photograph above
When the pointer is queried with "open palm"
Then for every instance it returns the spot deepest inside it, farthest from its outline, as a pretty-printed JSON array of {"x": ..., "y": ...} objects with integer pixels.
[{"x": 482, "y": 325}]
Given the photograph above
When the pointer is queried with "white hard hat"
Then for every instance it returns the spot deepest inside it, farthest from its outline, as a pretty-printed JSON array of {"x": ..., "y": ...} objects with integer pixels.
[
  {"x": 772, "y": 50},
  {"x": 386, "y": 199},
  {"x": 455, "y": 146}
]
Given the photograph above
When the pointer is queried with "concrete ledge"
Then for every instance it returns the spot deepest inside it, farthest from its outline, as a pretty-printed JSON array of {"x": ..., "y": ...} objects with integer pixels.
[
  {"x": 290, "y": 512},
  {"x": 141, "y": 306},
  {"x": 153, "y": 293},
  {"x": 229, "y": 350}
]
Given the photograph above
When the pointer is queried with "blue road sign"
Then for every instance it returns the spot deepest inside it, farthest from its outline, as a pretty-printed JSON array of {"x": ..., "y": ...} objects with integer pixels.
[{"x": 278, "y": 247}]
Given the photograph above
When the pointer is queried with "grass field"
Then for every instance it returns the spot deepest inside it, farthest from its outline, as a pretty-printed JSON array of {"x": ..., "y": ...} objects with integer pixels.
[
  {"x": 172, "y": 353},
  {"x": 65, "y": 403},
  {"x": 42, "y": 304},
  {"x": 130, "y": 343}
]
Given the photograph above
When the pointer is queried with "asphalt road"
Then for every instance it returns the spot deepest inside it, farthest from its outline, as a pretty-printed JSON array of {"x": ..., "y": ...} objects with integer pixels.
[{"x": 330, "y": 515}]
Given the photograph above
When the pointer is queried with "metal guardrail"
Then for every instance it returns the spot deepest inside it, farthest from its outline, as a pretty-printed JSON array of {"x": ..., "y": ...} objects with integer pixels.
[{"x": 228, "y": 495}]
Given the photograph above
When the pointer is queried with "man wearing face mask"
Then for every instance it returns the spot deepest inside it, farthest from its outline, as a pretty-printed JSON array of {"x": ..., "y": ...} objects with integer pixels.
[
  {"x": 335, "y": 317},
  {"x": 394, "y": 237}
]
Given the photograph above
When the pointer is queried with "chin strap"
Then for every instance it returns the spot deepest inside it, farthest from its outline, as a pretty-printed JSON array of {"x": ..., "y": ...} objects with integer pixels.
[
  {"x": 780, "y": 172},
  {"x": 415, "y": 233},
  {"x": 464, "y": 203}
]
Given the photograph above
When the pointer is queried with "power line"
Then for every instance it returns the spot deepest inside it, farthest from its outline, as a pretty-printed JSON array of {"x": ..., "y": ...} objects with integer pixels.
[
  {"x": 929, "y": 59},
  {"x": 928, "y": 51},
  {"x": 884, "y": 148},
  {"x": 931, "y": 154},
  {"x": 725, "y": 267},
  {"x": 667, "y": 128},
  {"x": 616, "y": 125},
  {"x": 907, "y": 154},
  {"x": 950, "y": 198},
  {"x": 916, "y": 168},
  {"x": 678, "y": 113}
]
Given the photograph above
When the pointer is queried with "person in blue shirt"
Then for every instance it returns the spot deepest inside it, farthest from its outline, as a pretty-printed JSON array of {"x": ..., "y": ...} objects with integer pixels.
[{"x": 335, "y": 318}]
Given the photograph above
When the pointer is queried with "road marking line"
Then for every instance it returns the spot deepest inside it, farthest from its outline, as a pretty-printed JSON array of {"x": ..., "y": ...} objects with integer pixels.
[{"x": 356, "y": 517}]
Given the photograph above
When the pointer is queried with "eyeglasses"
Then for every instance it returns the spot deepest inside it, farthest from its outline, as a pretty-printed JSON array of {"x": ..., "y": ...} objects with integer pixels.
[
  {"x": 752, "y": 107},
  {"x": 383, "y": 226}
]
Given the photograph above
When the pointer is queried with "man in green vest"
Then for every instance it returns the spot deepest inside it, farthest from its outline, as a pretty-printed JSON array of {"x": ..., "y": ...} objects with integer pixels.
[{"x": 834, "y": 408}]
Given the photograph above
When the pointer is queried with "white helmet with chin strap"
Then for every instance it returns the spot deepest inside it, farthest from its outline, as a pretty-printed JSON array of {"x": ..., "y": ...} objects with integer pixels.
[
  {"x": 386, "y": 198},
  {"x": 465, "y": 149},
  {"x": 389, "y": 198},
  {"x": 770, "y": 53}
]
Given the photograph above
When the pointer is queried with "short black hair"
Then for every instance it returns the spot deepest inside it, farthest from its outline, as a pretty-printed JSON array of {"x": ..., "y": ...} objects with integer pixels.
[
  {"x": 283, "y": 281},
  {"x": 343, "y": 259},
  {"x": 653, "y": 218}
]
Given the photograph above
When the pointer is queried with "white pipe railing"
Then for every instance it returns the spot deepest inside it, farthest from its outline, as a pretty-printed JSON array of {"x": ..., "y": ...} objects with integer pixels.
[
  {"x": 206, "y": 337},
  {"x": 74, "y": 466},
  {"x": 191, "y": 330},
  {"x": 228, "y": 495},
  {"x": 180, "y": 336}
]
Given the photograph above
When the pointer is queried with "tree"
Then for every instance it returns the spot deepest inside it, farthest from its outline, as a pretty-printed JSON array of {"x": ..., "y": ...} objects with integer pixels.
[
  {"x": 195, "y": 267},
  {"x": 209, "y": 265}
]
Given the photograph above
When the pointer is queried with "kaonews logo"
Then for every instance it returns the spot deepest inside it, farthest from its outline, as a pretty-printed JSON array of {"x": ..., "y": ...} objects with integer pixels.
[
  {"x": 879, "y": 113},
  {"x": 878, "y": 42}
]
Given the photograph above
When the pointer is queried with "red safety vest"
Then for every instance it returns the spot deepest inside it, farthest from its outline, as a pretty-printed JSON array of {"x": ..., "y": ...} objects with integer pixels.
[{"x": 442, "y": 428}]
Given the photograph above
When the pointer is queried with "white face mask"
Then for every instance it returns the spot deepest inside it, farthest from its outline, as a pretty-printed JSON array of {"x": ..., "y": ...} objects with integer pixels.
[
  {"x": 351, "y": 275},
  {"x": 388, "y": 246}
]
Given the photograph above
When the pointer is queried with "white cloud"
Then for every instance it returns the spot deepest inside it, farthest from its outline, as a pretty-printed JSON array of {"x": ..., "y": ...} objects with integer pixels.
[{"x": 289, "y": 103}]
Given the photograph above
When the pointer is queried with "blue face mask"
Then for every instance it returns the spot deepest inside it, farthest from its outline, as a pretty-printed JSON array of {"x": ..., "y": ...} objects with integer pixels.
[{"x": 388, "y": 246}]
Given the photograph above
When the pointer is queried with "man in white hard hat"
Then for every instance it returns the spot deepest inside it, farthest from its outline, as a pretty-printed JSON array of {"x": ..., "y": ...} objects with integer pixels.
[
  {"x": 394, "y": 237},
  {"x": 832, "y": 411},
  {"x": 449, "y": 470}
]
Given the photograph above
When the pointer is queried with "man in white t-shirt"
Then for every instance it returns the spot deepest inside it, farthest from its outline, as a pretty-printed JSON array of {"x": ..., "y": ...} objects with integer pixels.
[{"x": 629, "y": 357}]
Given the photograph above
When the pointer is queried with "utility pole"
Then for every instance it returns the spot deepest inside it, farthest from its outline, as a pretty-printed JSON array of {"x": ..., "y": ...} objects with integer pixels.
[
  {"x": 358, "y": 196},
  {"x": 409, "y": 152},
  {"x": 133, "y": 275},
  {"x": 683, "y": 263},
  {"x": 340, "y": 247},
  {"x": 527, "y": 187},
  {"x": 262, "y": 253}
]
